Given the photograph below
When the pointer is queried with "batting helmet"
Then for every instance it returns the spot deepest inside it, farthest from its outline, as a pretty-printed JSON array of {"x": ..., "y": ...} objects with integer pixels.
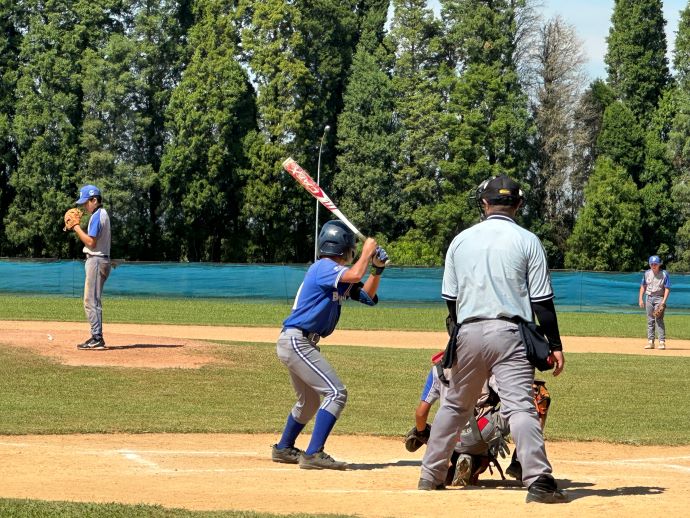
[{"x": 336, "y": 240}]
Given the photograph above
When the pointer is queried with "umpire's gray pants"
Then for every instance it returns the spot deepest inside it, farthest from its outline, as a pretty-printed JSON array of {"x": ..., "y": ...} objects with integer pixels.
[
  {"x": 311, "y": 376},
  {"x": 484, "y": 347},
  {"x": 97, "y": 270}
]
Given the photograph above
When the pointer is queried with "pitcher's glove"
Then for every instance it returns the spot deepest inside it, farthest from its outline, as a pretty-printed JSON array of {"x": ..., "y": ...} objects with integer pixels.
[
  {"x": 659, "y": 311},
  {"x": 72, "y": 218},
  {"x": 416, "y": 439}
]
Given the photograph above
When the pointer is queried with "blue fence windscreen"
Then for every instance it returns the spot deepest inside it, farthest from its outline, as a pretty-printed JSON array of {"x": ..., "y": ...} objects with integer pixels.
[{"x": 574, "y": 290}]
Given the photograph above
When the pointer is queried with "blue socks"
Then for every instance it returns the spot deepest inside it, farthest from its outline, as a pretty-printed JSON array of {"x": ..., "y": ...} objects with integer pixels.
[
  {"x": 290, "y": 433},
  {"x": 322, "y": 428}
]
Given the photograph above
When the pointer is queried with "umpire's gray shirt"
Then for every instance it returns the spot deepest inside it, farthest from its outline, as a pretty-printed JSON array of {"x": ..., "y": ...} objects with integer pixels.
[{"x": 494, "y": 269}]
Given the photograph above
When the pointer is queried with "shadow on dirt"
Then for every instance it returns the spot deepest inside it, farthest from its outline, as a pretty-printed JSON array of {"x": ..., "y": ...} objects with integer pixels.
[
  {"x": 577, "y": 490},
  {"x": 141, "y": 346},
  {"x": 383, "y": 465}
]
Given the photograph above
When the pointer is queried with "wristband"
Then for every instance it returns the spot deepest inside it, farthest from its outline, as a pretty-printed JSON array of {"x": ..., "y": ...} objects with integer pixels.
[{"x": 377, "y": 270}]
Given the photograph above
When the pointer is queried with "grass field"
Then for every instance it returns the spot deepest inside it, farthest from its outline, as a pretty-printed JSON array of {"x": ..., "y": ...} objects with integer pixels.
[
  {"x": 626, "y": 399},
  {"x": 605, "y": 397},
  {"x": 356, "y": 316},
  {"x": 37, "y": 509}
]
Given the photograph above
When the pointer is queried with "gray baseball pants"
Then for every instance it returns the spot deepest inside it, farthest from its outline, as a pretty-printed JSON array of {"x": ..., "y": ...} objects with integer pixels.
[
  {"x": 97, "y": 270},
  {"x": 652, "y": 302},
  {"x": 311, "y": 375},
  {"x": 485, "y": 347}
]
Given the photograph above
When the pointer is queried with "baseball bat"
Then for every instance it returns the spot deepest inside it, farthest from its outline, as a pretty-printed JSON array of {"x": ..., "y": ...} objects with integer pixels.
[{"x": 313, "y": 188}]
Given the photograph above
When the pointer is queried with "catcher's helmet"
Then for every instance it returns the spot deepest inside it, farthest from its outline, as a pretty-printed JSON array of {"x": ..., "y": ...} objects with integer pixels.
[{"x": 336, "y": 240}]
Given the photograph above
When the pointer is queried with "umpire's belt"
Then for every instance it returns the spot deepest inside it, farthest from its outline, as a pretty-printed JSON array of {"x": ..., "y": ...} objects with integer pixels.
[
  {"x": 514, "y": 320},
  {"x": 312, "y": 337}
]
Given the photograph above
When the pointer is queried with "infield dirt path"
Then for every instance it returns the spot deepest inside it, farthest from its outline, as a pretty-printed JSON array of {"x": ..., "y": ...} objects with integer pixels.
[{"x": 221, "y": 471}]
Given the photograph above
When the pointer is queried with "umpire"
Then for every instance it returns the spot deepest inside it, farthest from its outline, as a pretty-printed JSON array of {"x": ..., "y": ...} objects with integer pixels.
[{"x": 496, "y": 274}]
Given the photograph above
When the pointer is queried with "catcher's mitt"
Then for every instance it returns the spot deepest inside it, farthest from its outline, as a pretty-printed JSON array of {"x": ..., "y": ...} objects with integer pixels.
[
  {"x": 416, "y": 439},
  {"x": 542, "y": 400},
  {"x": 72, "y": 218},
  {"x": 659, "y": 311}
]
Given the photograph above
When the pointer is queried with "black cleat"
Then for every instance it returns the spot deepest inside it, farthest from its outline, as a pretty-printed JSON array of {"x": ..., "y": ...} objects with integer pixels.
[
  {"x": 92, "y": 344},
  {"x": 545, "y": 491}
]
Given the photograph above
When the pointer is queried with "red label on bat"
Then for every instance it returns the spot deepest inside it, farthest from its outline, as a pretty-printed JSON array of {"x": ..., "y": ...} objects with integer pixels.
[{"x": 309, "y": 184}]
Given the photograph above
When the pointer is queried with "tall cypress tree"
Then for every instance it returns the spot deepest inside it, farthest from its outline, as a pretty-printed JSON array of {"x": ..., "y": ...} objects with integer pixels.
[
  {"x": 607, "y": 234},
  {"x": 210, "y": 113},
  {"x": 492, "y": 130},
  {"x": 588, "y": 120},
  {"x": 660, "y": 220},
  {"x": 416, "y": 37},
  {"x": 368, "y": 137},
  {"x": 299, "y": 54},
  {"x": 10, "y": 41},
  {"x": 679, "y": 144},
  {"x": 127, "y": 86},
  {"x": 49, "y": 117},
  {"x": 636, "y": 56}
]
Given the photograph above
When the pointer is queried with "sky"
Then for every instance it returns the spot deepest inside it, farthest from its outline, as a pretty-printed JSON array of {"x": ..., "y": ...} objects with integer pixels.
[{"x": 592, "y": 18}]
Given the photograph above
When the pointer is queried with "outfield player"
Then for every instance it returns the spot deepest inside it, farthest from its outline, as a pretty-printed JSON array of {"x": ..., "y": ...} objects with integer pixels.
[
  {"x": 96, "y": 241},
  {"x": 656, "y": 284},
  {"x": 496, "y": 274},
  {"x": 315, "y": 314}
]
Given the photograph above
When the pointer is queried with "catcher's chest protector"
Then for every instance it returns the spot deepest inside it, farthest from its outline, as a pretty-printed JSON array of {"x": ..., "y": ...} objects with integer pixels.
[{"x": 480, "y": 433}]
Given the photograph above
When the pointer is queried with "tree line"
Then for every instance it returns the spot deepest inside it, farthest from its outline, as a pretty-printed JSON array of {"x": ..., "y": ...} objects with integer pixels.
[{"x": 182, "y": 111}]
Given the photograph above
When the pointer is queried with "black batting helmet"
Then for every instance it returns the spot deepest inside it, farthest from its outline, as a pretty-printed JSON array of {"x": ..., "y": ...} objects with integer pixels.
[{"x": 336, "y": 240}]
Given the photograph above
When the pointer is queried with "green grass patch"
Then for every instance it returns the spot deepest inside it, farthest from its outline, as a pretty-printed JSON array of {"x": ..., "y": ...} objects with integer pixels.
[
  {"x": 355, "y": 316},
  {"x": 606, "y": 397},
  {"x": 41, "y": 509}
]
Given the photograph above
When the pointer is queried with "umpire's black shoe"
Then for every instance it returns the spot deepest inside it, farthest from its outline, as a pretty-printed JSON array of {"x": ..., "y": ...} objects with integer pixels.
[
  {"x": 92, "y": 344},
  {"x": 428, "y": 485},
  {"x": 545, "y": 491}
]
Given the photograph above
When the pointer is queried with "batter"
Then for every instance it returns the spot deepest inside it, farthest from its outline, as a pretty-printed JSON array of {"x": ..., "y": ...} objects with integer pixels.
[{"x": 315, "y": 313}]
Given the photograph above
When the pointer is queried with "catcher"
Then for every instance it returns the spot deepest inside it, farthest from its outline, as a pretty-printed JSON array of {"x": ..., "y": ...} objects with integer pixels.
[
  {"x": 482, "y": 440},
  {"x": 96, "y": 241},
  {"x": 656, "y": 284}
]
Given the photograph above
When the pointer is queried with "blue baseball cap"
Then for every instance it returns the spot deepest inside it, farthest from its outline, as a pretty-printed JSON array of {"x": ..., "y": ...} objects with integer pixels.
[
  {"x": 86, "y": 192},
  {"x": 654, "y": 259}
]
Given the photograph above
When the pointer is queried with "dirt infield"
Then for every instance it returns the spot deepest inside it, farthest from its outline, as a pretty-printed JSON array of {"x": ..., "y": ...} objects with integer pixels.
[
  {"x": 208, "y": 472},
  {"x": 220, "y": 471}
]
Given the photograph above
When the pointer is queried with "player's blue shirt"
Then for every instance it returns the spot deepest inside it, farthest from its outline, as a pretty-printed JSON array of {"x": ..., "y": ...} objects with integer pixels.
[{"x": 319, "y": 299}]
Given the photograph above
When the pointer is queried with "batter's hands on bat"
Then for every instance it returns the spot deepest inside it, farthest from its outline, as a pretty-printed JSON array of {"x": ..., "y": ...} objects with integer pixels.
[
  {"x": 380, "y": 258},
  {"x": 559, "y": 362},
  {"x": 369, "y": 247}
]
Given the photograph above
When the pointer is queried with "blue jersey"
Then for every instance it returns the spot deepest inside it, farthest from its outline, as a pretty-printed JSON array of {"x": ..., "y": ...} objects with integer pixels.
[{"x": 319, "y": 299}]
